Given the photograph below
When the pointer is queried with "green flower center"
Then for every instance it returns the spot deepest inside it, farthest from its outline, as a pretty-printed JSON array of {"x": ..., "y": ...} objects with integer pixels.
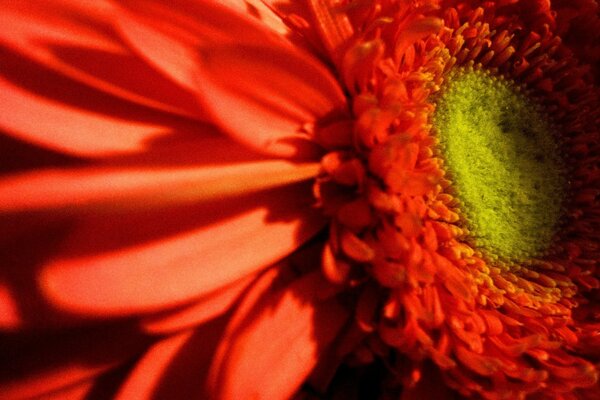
[{"x": 504, "y": 161}]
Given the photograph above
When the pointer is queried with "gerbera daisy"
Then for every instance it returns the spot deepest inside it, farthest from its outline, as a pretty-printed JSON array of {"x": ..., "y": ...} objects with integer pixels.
[{"x": 320, "y": 198}]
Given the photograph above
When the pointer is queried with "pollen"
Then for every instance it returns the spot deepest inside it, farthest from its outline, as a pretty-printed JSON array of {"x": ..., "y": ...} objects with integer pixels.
[{"x": 503, "y": 158}]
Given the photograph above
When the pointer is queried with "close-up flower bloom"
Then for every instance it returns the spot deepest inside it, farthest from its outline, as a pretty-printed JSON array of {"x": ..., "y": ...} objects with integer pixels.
[{"x": 313, "y": 199}]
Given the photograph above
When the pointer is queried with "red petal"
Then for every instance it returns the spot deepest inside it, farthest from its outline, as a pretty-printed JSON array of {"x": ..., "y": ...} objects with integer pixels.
[
  {"x": 203, "y": 309},
  {"x": 261, "y": 10},
  {"x": 191, "y": 22},
  {"x": 333, "y": 25},
  {"x": 76, "y": 40},
  {"x": 46, "y": 109},
  {"x": 271, "y": 346},
  {"x": 174, "y": 58},
  {"x": 175, "y": 368},
  {"x": 148, "y": 372},
  {"x": 24, "y": 244},
  {"x": 118, "y": 189},
  {"x": 196, "y": 146},
  {"x": 274, "y": 91},
  {"x": 168, "y": 35},
  {"x": 28, "y": 239},
  {"x": 67, "y": 128},
  {"x": 79, "y": 391},
  {"x": 10, "y": 315},
  {"x": 148, "y": 260},
  {"x": 257, "y": 86},
  {"x": 42, "y": 364},
  {"x": 297, "y": 16}
]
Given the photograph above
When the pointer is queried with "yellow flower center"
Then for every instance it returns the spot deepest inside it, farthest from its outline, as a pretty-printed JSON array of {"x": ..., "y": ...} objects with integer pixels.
[{"x": 504, "y": 161}]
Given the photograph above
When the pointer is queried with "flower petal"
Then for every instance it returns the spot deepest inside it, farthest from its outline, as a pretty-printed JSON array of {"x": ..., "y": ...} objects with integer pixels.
[
  {"x": 167, "y": 36},
  {"x": 235, "y": 63},
  {"x": 9, "y": 310},
  {"x": 203, "y": 309},
  {"x": 276, "y": 93},
  {"x": 289, "y": 18},
  {"x": 148, "y": 371},
  {"x": 145, "y": 261},
  {"x": 25, "y": 243},
  {"x": 173, "y": 58},
  {"x": 76, "y": 40},
  {"x": 261, "y": 10},
  {"x": 46, "y": 109},
  {"x": 79, "y": 391},
  {"x": 42, "y": 364},
  {"x": 271, "y": 346},
  {"x": 67, "y": 128},
  {"x": 197, "y": 145},
  {"x": 28, "y": 239},
  {"x": 117, "y": 189},
  {"x": 332, "y": 24},
  {"x": 175, "y": 367}
]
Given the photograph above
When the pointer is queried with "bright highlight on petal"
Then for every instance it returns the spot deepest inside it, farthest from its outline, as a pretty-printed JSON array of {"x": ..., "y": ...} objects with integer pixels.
[{"x": 107, "y": 190}]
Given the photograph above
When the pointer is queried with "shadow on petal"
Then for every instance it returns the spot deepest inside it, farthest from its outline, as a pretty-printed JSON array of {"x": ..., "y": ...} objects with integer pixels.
[{"x": 44, "y": 362}]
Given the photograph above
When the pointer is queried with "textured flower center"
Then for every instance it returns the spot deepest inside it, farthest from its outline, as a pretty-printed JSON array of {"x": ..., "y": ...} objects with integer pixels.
[
  {"x": 504, "y": 161},
  {"x": 464, "y": 206}
]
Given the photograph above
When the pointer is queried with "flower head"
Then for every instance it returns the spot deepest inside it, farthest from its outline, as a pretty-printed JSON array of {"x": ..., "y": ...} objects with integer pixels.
[{"x": 383, "y": 197}]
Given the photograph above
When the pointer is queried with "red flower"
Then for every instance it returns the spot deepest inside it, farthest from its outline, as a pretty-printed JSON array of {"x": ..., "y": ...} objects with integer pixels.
[{"x": 163, "y": 205}]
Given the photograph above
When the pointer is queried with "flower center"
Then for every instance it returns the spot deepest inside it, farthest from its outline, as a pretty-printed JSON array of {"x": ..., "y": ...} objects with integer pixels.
[{"x": 504, "y": 161}]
